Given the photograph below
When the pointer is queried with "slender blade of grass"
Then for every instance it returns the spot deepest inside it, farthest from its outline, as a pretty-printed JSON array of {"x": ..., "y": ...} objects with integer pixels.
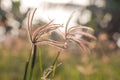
[
  {"x": 33, "y": 60},
  {"x": 40, "y": 60},
  {"x": 26, "y": 68},
  {"x": 54, "y": 69},
  {"x": 55, "y": 63},
  {"x": 27, "y": 65}
]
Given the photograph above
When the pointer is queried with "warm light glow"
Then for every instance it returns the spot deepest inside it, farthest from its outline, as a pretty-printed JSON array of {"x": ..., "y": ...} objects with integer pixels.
[{"x": 60, "y": 14}]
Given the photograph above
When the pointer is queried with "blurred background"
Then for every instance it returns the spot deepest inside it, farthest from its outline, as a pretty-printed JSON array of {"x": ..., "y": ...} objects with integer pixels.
[{"x": 102, "y": 15}]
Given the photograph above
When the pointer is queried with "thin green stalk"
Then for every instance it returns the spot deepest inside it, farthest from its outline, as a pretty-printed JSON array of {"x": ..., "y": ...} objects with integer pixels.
[
  {"x": 56, "y": 57},
  {"x": 51, "y": 69},
  {"x": 33, "y": 60},
  {"x": 40, "y": 60},
  {"x": 27, "y": 66},
  {"x": 55, "y": 63}
]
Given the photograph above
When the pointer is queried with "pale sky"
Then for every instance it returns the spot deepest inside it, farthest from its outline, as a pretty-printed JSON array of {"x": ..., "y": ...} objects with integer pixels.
[
  {"x": 56, "y": 13},
  {"x": 60, "y": 14}
]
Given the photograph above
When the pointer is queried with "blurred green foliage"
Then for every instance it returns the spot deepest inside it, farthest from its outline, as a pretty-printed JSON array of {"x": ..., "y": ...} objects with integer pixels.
[
  {"x": 84, "y": 67},
  {"x": 103, "y": 64}
]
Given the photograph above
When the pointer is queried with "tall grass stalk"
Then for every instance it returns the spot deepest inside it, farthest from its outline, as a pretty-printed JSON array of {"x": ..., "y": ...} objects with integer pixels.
[
  {"x": 33, "y": 60},
  {"x": 40, "y": 61},
  {"x": 55, "y": 62},
  {"x": 27, "y": 65}
]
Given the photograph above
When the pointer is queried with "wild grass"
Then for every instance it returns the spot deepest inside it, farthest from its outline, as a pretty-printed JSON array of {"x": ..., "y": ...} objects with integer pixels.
[
  {"x": 12, "y": 65},
  {"x": 41, "y": 34},
  {"x": 40, "y": 65},
  {"x": 36, "y": 37}
]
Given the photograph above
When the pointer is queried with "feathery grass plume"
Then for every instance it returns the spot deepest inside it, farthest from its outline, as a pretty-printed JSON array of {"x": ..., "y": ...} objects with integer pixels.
[
  {"x": 40, "y": 35},
  {"x": 76, "y": 34},
  {"x": 37, "y": 36}
]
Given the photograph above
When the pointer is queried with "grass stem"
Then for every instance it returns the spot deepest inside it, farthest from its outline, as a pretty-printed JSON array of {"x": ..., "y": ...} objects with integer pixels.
[{"x": 33, "y": 60}]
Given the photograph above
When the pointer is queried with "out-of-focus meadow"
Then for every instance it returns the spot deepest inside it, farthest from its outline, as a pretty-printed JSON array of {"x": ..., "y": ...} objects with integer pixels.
[{"x": 102, "y": 63}]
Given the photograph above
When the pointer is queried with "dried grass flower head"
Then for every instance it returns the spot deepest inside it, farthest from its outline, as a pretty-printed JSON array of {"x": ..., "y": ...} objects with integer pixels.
[
  {"x": 77, "y": 34},
  {"x": 80, "y": 35},
  {"x": 39, "y": 35}
]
